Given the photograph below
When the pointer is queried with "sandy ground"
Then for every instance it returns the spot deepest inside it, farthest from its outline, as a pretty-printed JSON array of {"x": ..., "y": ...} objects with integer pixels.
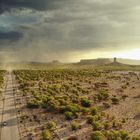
[{"x": 130, "y": 108}]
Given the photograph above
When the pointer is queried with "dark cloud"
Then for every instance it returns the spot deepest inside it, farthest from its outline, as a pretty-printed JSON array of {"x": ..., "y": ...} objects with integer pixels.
[
  {"x": 11, "y": 36},
  {"x": 35, "y": 4},
  {"x": 49, "y": 29},
  {"x": 5, "y": 4}
]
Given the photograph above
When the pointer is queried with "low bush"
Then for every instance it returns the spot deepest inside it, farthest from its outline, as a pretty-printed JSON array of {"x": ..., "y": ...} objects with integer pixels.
[
  {"x": 47, "y": 135},
  {"x": 91, "y": 119},
  {"x": 95, "y": 125},
  {"x": 74, "y": 125},
  {"x": 94, "y": 111},
  {"x": 69, "y": 115},
  {"x": 51, "y": 125},
  {"x": 97, "y": 135},
  {"x": 86, "y": 102}
]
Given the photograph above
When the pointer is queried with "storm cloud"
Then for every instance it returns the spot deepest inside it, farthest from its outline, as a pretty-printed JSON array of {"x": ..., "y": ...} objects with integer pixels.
[
  {"x": 10, "y": 36},
  {"x": 68, "y": 29}
]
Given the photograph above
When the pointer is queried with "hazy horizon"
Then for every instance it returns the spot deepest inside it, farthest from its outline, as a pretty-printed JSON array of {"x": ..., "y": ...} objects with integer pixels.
[{"x": 69, "y": 30}]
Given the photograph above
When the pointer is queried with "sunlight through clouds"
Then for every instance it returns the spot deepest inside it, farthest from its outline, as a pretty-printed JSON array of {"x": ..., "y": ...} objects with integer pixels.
[{"x": 133, "y": 54}]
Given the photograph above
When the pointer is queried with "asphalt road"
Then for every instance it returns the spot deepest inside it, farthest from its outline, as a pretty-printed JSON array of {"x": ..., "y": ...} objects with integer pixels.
[{"x": 10, "y": 131}]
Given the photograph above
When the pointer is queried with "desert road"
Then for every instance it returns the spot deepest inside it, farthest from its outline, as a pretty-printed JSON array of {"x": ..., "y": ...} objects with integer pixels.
[{"x": 10, "y": 129}]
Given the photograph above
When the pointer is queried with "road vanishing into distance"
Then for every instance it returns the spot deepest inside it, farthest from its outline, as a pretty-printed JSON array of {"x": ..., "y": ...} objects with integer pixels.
[{"x": 10, "y": 130}]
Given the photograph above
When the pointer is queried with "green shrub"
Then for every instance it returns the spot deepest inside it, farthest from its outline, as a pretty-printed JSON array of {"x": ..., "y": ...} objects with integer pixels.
[
  {"x": 71, "y": 108},
  {"x": 51, "y": 125},
  {"x": 97, "y": 135},
  {"x": 124, "y": 135},
  {"x": 113, "y": 135},
  {"x": 95, "y": 125},
  {"x": 94, "y": 111},
  {"x": 47, "y": 135},
  {"x": 86, "y": 102},
  {"x": 91, "y": 119},
  {"x": 106, "y": 125},
  {"x": 117, "y": 135},
  {"x": 52, "y": 105},
  {"x": 33, "y": 104},
  {"x": 69, "y": 115},
  {"x": 75, "y": 125},
  {"x": 84, "y": 110},
  {"x": 102, "y": 95},
  {"x": 63, "y": 109}
]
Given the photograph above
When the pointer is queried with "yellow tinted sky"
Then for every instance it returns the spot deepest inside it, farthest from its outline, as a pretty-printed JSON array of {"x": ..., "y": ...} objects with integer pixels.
[{"x": 130, "y": 54}]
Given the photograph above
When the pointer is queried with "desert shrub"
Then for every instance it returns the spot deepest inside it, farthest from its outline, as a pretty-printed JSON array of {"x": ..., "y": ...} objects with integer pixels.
[
  {"x": 51, "y": 125},
  {"x": 102, "y": 95},
  {"x": 94, "y": 111},
  {"x": 74, "y": 125},
  {"x": 74, "y": 99},
  {"x": 62, "y": 102},
  {"x": 124, "y": 135},
  {"x": 74, "y": 91},
  {"x": 47, "y": 135},
  {"x": 72, "y": 108},
  {"x": 63, "y": 109},
  {"x": 33, "y": 104},
  {"x": 95, "y": 125},
  {"x": 113, "y": 135},
  {"x": 69, "y": 115},
  {"x": 91, "y": 119},
  {"x": 117, "y": 135},
  {"x": 106, "y": 125},
  {"x": 52, "y": 105},
  {"x": 97, "y": 135},
  {"x": 84, "y": 110},
  {"x": 86, "y": 102}
]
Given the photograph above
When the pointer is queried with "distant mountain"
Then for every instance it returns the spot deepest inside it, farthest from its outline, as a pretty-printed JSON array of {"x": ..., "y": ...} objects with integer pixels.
[
  {"x": 109, "y": 61},
  {"x": 99, "y": 61}
]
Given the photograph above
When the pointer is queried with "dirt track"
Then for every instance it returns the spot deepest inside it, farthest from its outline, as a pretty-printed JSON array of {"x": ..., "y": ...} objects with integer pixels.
[{"x": 10, "y": 131}]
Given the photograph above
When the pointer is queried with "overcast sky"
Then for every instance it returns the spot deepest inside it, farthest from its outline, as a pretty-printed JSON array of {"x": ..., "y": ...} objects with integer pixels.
[{"x": 69, "y": 30}]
